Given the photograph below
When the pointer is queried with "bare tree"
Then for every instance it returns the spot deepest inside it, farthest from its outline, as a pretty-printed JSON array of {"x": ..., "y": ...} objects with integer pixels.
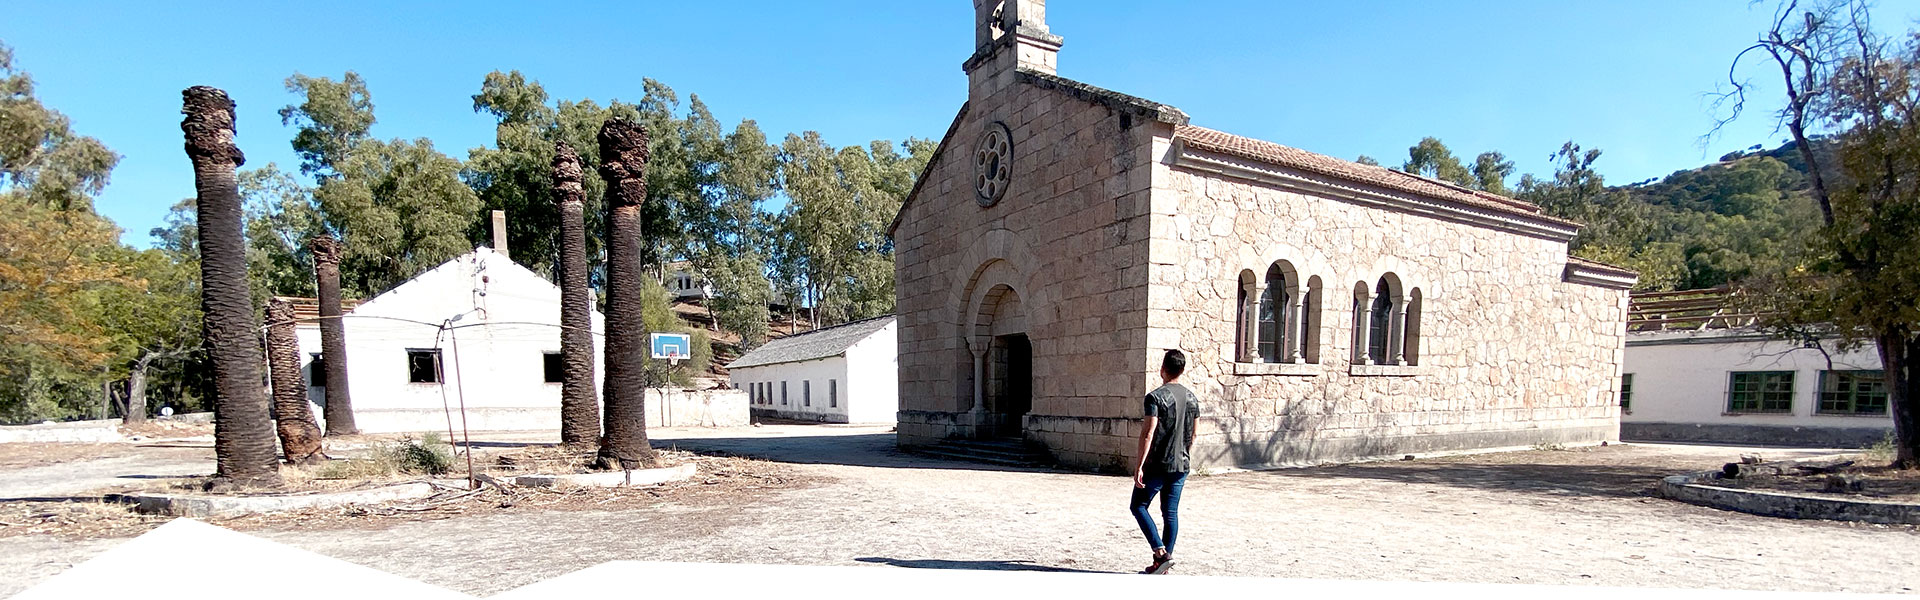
[
  {"x": 299, "y": 434},
  {"x": 1839, "y": 75},
  {"x": 579, "y": 408},
  {"x": 243, "y": 439},
  {"x": 623, "y": 164},
  {"x": 333, "y": 336}
]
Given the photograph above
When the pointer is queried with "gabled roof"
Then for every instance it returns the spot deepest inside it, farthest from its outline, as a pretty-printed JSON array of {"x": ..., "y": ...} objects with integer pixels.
[{"x": 812, "y": 345}]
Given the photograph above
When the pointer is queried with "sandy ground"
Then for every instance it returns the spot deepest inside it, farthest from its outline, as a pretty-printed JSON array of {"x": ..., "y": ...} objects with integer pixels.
[{"x": 1571, "y": 517}]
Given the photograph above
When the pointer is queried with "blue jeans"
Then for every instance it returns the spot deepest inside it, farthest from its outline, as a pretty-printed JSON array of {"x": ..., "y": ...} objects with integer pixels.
[{"x": 1169, "y": 507}]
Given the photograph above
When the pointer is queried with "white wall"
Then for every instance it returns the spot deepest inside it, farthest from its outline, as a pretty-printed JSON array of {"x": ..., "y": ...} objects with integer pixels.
[
  {"x": 797, "y": 377},
  {"x": 874, "y": 377},
  {"x": 868, "y": 374},
  {"x": 1679, "y": 379},
  {"x": 494, "y": 353}
]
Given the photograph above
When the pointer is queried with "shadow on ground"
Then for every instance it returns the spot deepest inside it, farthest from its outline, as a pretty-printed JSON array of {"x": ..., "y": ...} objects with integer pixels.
[
  {"x": 975, "y": 565},
  {"x": 858, "y": 450}
]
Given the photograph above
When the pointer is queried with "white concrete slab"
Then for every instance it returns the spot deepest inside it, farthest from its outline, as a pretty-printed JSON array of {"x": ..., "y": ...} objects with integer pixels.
[
  {"x": 190, "y": 560},
  {"x": 636, "y": 477}
]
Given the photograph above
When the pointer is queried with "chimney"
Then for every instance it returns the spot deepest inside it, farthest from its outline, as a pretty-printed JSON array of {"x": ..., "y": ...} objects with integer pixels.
[{"x": 500, "y": 232}]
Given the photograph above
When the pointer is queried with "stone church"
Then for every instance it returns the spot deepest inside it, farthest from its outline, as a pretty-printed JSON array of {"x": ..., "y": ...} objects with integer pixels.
[{"x": 1065, "y": 236}]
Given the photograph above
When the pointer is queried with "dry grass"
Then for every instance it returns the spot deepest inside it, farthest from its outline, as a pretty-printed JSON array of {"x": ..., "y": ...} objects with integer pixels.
[{"x": 1880, "y": 481}]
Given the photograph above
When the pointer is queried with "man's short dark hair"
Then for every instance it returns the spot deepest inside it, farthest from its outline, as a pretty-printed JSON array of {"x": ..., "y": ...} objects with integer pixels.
[{"x": 1174, "y": 364}]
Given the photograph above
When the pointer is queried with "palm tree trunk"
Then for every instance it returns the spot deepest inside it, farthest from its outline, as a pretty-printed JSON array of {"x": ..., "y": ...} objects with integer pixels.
[
  {"x": 333, "y": 336},
  {"x": 623, "y": 164},
  {"x": 579, "y": 408},
  {"x": 243, "y": 439},
  {"x": 299, "y": 434}
]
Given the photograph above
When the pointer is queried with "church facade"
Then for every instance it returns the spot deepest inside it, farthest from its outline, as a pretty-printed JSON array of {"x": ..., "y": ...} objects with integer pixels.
[{"x": 1065, "y": 236}]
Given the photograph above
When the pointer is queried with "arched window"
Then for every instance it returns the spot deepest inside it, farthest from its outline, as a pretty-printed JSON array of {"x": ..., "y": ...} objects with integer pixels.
[
  {"x": 1411, "y": 330},
  {"x": 1379, "y": 323},
  {"x": 1273, "y": 303},
  {"x": 1278, "y": 319},
  {"x": 1309, "y": 321},
  {"x": 1246, "y": 315}
]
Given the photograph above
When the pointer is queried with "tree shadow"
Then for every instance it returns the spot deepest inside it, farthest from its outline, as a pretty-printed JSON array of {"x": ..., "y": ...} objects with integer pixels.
[
  {"x": 973, "y": 565},
  {"x": 856, "y": 450}
]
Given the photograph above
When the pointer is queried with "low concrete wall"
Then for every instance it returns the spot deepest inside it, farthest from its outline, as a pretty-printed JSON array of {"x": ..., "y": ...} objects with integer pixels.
[
  {"x": 704, "y": 408},
  {"x": 83, "y": 432},
  {"x": 203, "y": 506},
  {"x": 1698, "y": 489},
  {"x": 1762, "y": 435},
  {"x": 665, "y": 408}
]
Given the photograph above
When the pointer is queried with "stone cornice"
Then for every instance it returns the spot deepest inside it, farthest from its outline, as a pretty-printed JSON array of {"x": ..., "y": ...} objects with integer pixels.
[
  {"x": 938, "y": 151},
  {"x": 1583, "y": 274},
  {"x": 1366, "y": 195},
  {"x": 1111, "y": 99}
]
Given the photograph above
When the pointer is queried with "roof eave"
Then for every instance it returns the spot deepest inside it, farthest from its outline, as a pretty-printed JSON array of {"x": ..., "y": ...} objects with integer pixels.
[{"x": 1227, "y": 165}]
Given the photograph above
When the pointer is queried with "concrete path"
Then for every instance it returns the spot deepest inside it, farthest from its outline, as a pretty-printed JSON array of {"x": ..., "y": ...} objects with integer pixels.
[
  {"x": 1564, "y": 518},
  {"x": 88, "y": 477}
]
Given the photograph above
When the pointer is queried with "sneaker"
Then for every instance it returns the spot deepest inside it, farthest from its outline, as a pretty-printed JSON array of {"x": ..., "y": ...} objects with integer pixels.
[{"x": 1160, "y": 567}]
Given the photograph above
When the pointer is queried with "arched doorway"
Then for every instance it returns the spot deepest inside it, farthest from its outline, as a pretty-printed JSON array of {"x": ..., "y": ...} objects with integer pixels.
[{"x": 1006, "y": 393}]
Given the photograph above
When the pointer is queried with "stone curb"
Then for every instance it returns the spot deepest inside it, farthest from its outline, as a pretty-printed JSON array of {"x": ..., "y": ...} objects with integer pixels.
[
  {"x": 611, "y": 478},
  {"x": 201, "y": 506},
  {"x": 1690, "y": 489}
]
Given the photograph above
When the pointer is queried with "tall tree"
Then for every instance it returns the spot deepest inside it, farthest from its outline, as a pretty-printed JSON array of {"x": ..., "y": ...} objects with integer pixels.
[
  {"x": 1864, "y": 284},
  {"x": 399, "y": 206},
  {"x": 243, "y": 438},
  {"x": 623, "y": 164},
  {"x": 579, "y": 408},
  {"x": 1431, "y": 158},
  {"x": 333, "y": 118},
  {"x": 299, "y": 434},
  {"x": 1490, "y": 172},
  {"x": 833, "y": 249},
  {"x": 333, "y": 336},
  {"x": 41, "y": 158}
]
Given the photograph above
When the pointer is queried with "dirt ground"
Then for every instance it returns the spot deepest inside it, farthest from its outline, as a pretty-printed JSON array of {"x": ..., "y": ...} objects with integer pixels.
[{"x": 1582, "y": 516}]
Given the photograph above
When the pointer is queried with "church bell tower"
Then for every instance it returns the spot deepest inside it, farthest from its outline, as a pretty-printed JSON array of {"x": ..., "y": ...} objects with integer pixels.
[{"x": 1009, "y": 34}]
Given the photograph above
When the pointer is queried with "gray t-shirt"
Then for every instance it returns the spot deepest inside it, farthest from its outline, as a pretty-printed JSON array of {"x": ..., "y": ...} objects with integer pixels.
[{"x": 1177, "y": 408}]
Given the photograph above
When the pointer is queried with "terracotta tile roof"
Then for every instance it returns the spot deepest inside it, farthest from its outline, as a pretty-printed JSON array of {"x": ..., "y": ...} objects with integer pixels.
[
  {"x": 307, "y": 309},
  {"x": 1268, "y": 152}
]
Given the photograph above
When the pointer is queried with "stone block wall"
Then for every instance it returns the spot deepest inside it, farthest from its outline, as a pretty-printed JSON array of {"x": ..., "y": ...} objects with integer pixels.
[
  {"x": 1069, "y": 237},
  {"x": 1507, "y": 354}
]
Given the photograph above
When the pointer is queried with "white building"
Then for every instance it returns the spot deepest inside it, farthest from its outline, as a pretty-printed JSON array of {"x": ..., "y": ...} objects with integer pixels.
[
  {"x": 685, "y": 281},
  {"x": 841, "y": 374},
  {"x": 1694, "y": 373},
  {"x": 498, "y": 353}
]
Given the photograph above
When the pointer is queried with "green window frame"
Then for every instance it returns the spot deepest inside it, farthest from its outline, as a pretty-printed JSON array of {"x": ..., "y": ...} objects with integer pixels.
[
  {"x": 1760, "y": 392},
  {"x": 1626, "y": 393},
  {"x": 1855, "y": 392}
]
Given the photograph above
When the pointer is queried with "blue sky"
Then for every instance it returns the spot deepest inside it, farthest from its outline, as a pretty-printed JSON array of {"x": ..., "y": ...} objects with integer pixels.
[{"x": 1344, "y": 79}]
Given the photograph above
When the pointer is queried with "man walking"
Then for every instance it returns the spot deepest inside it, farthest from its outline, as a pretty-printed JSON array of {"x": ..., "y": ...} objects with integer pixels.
[{"x": 1165, "y": 440}]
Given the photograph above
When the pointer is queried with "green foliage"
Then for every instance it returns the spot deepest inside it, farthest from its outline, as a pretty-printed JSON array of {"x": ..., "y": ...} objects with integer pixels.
[
  {"x": 831, "y": 246},
  {"x": 401, "y": 209},
  {"x": 333, "y": 118},
  {"x": 281, "y": 217},
  {"x": 656, "y": 311},
  {"x": 1431, "y": 158},
  {"x": 41, "y": 159},
  {"x": 430, "y": 455}
]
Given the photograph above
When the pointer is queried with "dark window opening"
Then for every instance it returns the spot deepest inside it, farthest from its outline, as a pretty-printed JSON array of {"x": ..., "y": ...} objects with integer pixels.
[
  {"x": 555, "y": 365},
  {"x": 423, "y": 366}
]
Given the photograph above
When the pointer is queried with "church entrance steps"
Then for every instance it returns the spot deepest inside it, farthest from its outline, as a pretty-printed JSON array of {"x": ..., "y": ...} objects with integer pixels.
[{"x": 1010, "y": 452}]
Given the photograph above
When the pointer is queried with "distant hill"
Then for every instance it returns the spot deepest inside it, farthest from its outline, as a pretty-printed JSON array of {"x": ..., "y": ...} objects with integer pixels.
[{"x": 1748, "y": 213}]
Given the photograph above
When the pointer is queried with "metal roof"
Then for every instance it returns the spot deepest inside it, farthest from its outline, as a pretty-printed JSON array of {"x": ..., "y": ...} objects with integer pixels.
[{"x": 812, "y": 345}]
